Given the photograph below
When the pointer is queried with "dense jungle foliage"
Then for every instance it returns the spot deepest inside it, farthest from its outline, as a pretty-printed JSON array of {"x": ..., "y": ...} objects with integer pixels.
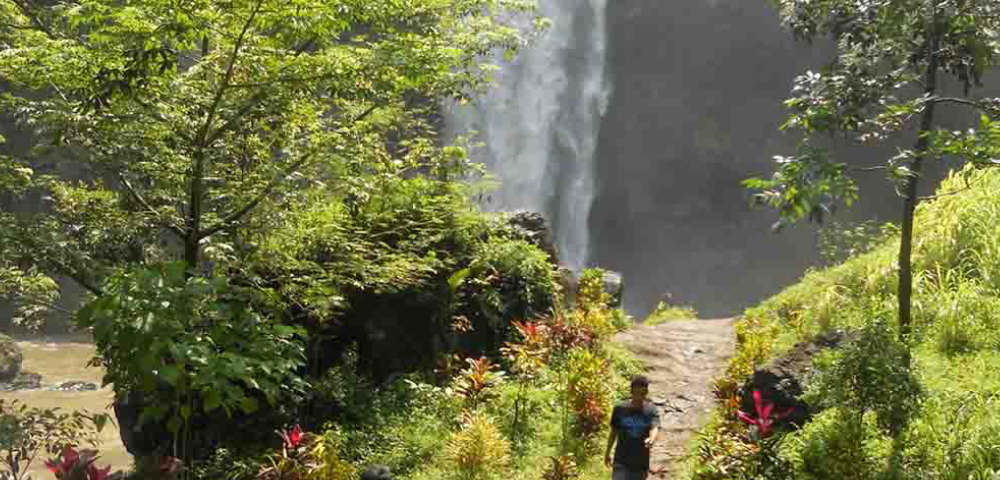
[{"x": 285, "y": 274}]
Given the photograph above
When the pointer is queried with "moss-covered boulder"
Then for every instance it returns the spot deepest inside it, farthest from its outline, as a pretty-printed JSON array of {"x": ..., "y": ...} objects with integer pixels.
[{"x": 10, "y": 358}]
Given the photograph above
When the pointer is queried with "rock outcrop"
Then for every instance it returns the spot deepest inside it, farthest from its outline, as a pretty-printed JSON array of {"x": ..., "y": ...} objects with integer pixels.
[
  {"x": 534, "y": 229},
  {"x": 612, "y": 285},
  {"x": 22, "y": 381},
  {"x": 10, "y": 358},
  {"x": 784, "y": 379}
]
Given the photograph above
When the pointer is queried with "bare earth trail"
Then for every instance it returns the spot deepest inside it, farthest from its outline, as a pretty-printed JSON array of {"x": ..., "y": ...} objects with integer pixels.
[{"x": 683, "y": 357}]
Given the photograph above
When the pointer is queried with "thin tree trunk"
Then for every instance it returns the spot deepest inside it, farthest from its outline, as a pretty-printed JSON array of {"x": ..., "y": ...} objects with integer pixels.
[
  {"x": 192, "y": 241},
  {"x": 905, "y": 292}
]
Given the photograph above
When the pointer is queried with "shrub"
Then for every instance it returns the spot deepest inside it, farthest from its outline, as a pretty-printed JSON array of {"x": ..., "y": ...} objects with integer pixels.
[
  {"x": 79, "y": 465},
  {"x": 306, "y": 456},
  {"x": 506, "y": 280},
  {"x": 837, "y": 444},
  {"x": 522, "y": 410},
  {"x": 563, "y": 467},
  {"x": 509, "y": 279},
  {"x": 870, "y": 374},
  {"x": 479, "y": 450},
  {"x": 475, "y": 383},
  {"x": 724, "y": 451},
  {"x": 589, "y": 391},
  {"x": 27, "y": 432},
  {"x": 194, "y": 346},
  {"x": 754, "y": 340}
]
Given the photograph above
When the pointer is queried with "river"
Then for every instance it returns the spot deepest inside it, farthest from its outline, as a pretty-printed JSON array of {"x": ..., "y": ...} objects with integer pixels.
[{"x": 63, "y": 358}]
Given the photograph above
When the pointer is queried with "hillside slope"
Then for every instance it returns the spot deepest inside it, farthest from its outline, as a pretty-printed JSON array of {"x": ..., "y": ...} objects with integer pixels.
[{"x": 874, "y": 418}]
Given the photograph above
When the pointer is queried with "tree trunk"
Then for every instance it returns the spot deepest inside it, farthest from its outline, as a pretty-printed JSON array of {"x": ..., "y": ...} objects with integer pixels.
[
  {"x": 192, "y": 242},
  {"x": 905, "y": 289}
]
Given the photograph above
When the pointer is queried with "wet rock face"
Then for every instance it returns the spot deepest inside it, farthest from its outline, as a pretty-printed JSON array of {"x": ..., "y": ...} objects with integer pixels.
[
  {"x": 10, "y": 358},
  {"x": 784, "y": 379}
]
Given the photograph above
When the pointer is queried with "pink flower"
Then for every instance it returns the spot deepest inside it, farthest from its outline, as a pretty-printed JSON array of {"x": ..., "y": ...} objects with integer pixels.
[{"x": 764, "y": 420}]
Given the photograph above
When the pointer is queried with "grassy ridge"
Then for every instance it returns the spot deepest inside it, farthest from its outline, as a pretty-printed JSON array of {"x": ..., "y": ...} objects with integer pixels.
[{"x": 872, "y": 425}]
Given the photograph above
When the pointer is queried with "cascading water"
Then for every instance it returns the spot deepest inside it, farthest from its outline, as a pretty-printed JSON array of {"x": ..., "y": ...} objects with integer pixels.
[{"x": 541, "y": 120}]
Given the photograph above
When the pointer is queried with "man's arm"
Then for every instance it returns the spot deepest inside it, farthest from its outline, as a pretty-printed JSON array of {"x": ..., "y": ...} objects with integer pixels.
[
  {"x": 654, "y": 427},
  {"x": 653, "y": 432}
]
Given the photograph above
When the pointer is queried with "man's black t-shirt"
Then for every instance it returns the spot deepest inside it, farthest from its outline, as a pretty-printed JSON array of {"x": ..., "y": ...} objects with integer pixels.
[{"x": 633, "y": 426}]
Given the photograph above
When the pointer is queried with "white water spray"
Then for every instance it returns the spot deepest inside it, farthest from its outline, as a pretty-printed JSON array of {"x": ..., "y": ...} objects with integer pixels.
[{"x": 541, "y": 121}]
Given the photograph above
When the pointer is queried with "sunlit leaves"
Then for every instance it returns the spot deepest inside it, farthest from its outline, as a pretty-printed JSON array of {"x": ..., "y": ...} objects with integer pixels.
[
  {"x": 193, "y": 341},
  {"x": 253, "y": 101},
  {"x": 807, "y": 185},
  {"x": 875, "y": 89}
]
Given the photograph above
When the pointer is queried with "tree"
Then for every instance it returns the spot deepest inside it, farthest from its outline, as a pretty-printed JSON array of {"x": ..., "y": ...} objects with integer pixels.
[
  {"x": 177, "y": 140},
  {"x": 886, "y": 81},
  {"x": 197, "y": 124}
]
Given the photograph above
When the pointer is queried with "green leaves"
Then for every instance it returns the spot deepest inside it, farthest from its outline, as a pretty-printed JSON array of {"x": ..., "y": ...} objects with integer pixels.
[
  {"x": 200, "y": 345},
  {"x": 807, "y": 185},
  {"x": 206, "y": 118},
  {"x": 876, "y": 87}
]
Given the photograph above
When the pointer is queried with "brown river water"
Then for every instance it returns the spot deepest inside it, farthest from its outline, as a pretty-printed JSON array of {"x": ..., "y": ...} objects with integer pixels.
[{"x": 63, "y": 358}]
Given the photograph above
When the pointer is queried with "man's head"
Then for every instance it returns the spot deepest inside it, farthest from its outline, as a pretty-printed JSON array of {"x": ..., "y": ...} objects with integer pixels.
[
  {"x": 377, "y": 472},
  {"x": 640, "y": 388}
]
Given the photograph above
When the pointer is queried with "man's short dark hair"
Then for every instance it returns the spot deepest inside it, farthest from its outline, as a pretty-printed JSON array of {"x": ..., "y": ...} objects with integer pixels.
[
  {"x": 640, "y": 381},
  {"x": 377, "y": 472}
]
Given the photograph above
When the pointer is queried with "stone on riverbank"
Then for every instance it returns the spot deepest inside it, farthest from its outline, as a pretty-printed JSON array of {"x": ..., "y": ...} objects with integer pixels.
[{"x": 10, "y": 358}]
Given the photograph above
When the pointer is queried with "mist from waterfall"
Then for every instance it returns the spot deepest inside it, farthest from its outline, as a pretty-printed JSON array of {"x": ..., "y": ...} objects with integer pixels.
[{"x": 540, "y": 123}]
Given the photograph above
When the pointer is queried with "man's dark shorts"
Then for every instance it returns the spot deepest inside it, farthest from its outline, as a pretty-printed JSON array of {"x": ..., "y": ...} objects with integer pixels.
[{"x": 619, "y": 472}]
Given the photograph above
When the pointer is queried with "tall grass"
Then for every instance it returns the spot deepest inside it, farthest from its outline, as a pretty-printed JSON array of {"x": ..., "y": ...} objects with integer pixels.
[{"x": 954, "y": 429}]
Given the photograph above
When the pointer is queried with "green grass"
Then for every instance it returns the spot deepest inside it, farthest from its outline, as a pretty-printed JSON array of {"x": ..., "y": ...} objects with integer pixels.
[
  {"x": 954, "y": 430},
  {"x": 664, "y": 313}
]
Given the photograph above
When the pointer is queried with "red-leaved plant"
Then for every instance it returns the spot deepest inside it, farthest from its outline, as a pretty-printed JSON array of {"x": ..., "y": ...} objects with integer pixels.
[
  {"x": 79, "y": 465},
  {"x": 292, "y": 438},
  {"x": 765, "y": 415}
]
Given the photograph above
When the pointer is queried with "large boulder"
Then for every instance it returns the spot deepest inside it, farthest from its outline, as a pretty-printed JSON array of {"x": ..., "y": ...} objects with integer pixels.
[
  {"x": 534, "y": 229},
  {"x": 612, "y": 285},
  {"x": 783, "y": 379},
  {"x": 10, "y": 358}
]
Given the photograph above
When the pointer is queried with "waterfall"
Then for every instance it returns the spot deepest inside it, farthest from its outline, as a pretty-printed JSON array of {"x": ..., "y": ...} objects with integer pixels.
[{"x": 541, "y": 120}]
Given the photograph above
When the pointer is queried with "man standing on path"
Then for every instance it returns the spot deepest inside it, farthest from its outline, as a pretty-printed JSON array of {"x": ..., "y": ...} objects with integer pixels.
[{"x": 635, "y": 424}]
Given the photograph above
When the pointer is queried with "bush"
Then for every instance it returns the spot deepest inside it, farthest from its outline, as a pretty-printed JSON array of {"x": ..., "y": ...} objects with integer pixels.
[
  {"x": 27, "y": 433},
  {"x": 870, "y": 374},
  {"x": 837, "y": 444},
  {"x": 589, "y": 392},
  {"x": 508, "y": 280},
  {"x": 479, "y": 450}
]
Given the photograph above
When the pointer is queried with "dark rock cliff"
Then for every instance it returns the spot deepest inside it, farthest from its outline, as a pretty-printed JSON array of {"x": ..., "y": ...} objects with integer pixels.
[{"x": 697, "y": 102}]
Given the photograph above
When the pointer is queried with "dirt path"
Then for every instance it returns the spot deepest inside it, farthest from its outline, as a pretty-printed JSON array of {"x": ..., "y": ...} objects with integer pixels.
[{"x": 684, "y": 357}]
